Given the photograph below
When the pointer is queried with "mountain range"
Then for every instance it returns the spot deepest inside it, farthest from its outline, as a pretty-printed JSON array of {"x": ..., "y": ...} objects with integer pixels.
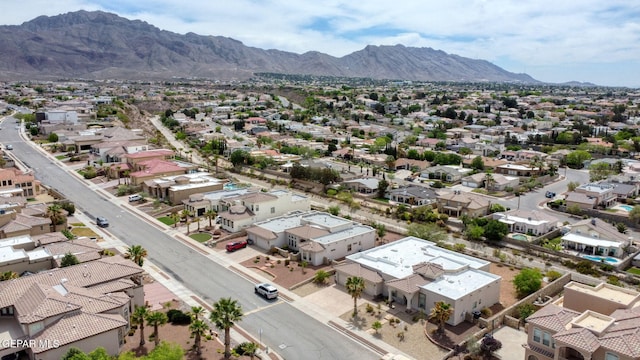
[{"x": 101, "y": 45}]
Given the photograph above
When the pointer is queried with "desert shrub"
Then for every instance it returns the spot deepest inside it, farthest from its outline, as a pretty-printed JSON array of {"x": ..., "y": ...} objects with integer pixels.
[
  {"x": 486, "y": 312},
  {"x": 553, "y": 275},
  {"x": 178, "y": 317}
]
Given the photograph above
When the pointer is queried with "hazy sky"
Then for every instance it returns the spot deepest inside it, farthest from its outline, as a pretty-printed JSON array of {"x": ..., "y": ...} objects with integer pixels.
[{"x": 594, "y": 41}]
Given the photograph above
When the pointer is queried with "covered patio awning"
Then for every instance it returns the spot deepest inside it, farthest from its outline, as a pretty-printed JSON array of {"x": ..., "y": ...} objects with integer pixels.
[{"x": 591, "y": 241}]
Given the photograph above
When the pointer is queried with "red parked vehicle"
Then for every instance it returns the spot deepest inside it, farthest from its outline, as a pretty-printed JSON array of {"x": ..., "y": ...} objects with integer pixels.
[{"x": 236, "y": 245}]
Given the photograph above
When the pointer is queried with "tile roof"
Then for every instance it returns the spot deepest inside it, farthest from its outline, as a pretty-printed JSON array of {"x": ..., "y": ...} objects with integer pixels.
[
  {"x": 409, "y": 284},
  {"x": 354, "y": 269},
  {"x": 428, "y": 270},
  {"x": 307, "y": 232},
  {"x": 626, "y": 342},
  {"x": 580, "y": 338},
  {"x": 262, "y": 232},
  {"x": 74, "y": 327},
  {"x": 553, "y": 317}
]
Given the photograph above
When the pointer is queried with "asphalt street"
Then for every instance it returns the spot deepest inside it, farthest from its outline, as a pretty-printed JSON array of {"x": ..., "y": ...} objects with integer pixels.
[{"x": 286, "y": 329}]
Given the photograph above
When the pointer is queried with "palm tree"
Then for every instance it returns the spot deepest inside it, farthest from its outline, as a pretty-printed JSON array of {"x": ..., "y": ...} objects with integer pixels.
[
  {"x": 488, "y": 181},
  {"x": 250, "y": 349},
  {"x": 156, "y": 319},
  {"x": 175, "y": 218},
  {"x": 441, "y": 313},
  {"x": 198, "y": 328},
  {"x": 196, "y": 311},
  {"x": 137, "y": 254},
  {"x": 224, "y": 314},
  {"x": 138, "y": 317},
  {"x": 55, "y": 213},
  {"x": 184, "y": 214},
  {"x": 355, "y": 286},
  {"x": 210, "y": 214},
  {"x": 8, "y": 275}
]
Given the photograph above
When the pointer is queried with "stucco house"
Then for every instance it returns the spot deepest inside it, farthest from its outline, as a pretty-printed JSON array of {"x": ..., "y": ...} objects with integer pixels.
[
  {"x": 417, "y": 274},
  {"x": 319, "y": 237},
  {"x": 176, "y": 188},
  {"x": 587, "y": 322},
  {"x": 595, "y": 237},
  {"x": 247, "y": 209},
  {"x": 366, "y": 186},
  {"x": 412, "y": 195},
  {"x": 82, "y": 306},
  {"x": 448, "y": 173},
  {"x": 532, "y": 222},
  {"x": 457, "y": 203}
]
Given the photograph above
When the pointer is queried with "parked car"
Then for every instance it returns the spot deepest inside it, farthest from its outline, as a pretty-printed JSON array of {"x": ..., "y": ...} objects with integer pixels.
[
  {"x": 9, "y": 147},
  {"x": 236, "y": 245},
  {"x": 550, "y": 194},
  {"x": 102, "y": 222},
  {"x": 135, "y": 197},
  {"x": 265, "y": 290}
]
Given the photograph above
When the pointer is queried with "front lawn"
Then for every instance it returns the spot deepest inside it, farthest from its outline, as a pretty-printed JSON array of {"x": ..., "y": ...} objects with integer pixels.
[
  {"x": 201, "y": 237},
  {"x": 166, "y": 220},
  {"x": 634, "y": 270},
  {"x": 83, "y": 231}
]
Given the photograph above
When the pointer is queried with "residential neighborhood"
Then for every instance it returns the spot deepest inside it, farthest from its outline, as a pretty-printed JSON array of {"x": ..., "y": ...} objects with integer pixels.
[{"x": 430, "y": 204}]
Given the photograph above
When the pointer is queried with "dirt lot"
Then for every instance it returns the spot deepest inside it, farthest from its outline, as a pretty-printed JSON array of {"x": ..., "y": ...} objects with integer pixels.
[{"x": 507, "y": 291}]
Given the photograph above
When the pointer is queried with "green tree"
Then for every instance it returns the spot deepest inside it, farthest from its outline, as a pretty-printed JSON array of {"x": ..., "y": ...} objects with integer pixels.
[
  {"x": 431, "y": 232},
  {"x": 440, "y": 313},
  {"x": 137, "y": 254},
  {"x": 334, "y": 210},
  {"x": 226, "y": 312},
  {"x": 576, "y": 159},
  {"x": 56, "y": 214},
  {"x": 156, "y": 319},
  {"x": 599, "y": 171},
  {"x": 382, "y": 188},
  {"x": 53, "y": 137},
  {"x": 75, "y": 354},
  {"x": 238, "y": 157},
  {"x": 528, "y": 281},
  {"x": 621, "y": 227},
  {"x": 210, "y": 215},
  {"x": 634, "y": 214},
  {"x": 198, "y": 329},
  {"x": 464, "y": 151},
  {"x": 196, "y": 311},
  {"x": 69, "y": 259},
  {"x": 377, "y": 325},
  {"x": 477, "y": 163},
  {"x": 138, "y": 317},
  {"x": 166, "y": 351},
  {"x": 474, "y": 232},
  {"x": 175, "y": 217},
  {"x": 355, "y": 286},
  {"x": 495, "y": 230},
  {"x": 321, "y": 277},
  {"x": 497, "y": 208},
  {"x": 572, "y": 185}
]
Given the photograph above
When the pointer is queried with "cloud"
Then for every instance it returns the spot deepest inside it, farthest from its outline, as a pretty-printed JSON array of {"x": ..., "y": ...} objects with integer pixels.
[{"x": 541, "y": 34}]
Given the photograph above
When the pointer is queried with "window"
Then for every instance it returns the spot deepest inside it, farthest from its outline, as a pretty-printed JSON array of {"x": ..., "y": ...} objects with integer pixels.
[
  {"x": 257, "y": 207},
  {"x": 475, "y": 304},
  {"x": 422, "y": 300},
  {"x": 537, "y": 335},
  {"x": 273, "y": 210},
  {"x": 349, "y": 247},
  {"x": 546, "y": 339},
  {"x": 611, "y": 356}
]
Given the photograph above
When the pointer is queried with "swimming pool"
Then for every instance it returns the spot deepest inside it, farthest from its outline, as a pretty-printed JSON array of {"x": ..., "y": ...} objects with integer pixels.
[
  {"x": 520, "y": 237},
  {"x": 230, "y": 186},
  {"x": 626, "y": 207},
  {"x": 607, "y": 259}
]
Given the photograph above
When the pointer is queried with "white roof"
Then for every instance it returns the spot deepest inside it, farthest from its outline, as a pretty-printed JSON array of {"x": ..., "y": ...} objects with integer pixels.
[
  {"x": 397, "y": 258},
  {"x": 590, "y": 241},
  {"x": 38, "y": 254},
  {"x": 344, "y": 234},
  {"x": 16, "y": 240},
  {"x": 456, "y": 285},
  {"x": 9, "y": 254}
]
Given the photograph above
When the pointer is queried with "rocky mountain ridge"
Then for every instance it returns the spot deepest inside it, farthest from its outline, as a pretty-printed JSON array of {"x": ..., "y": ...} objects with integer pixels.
[{"x": 100, "y": 45}]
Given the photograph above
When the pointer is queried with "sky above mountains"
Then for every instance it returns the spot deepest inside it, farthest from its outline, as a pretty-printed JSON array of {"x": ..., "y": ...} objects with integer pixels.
[{"x": 554, "y": 41}]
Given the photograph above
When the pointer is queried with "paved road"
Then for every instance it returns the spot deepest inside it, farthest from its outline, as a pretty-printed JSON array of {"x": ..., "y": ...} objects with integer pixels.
[{"x": 287, "y": 330}]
